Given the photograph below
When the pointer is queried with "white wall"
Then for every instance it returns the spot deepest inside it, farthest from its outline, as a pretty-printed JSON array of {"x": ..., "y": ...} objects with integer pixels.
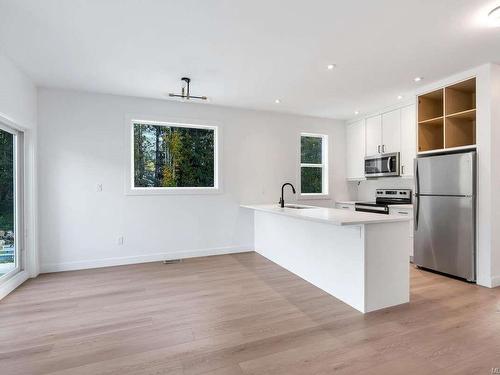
[
  {"x": 81, "y": 144},
  {"x": 17, "y": 95},
  {"x": 495, "y": 172},
  {"x": 18, "y": 109}
]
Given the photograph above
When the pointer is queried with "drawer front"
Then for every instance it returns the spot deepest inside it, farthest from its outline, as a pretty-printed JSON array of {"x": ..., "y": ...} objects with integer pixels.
[{"x": 400, "y": 211}]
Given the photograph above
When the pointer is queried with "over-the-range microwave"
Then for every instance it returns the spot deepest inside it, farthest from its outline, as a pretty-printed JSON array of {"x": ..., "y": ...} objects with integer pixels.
[{"x": 382, "y": 165}]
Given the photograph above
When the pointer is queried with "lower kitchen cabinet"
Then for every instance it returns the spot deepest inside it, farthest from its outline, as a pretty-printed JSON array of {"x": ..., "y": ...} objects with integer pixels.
[{"x": 406, "y": 212}]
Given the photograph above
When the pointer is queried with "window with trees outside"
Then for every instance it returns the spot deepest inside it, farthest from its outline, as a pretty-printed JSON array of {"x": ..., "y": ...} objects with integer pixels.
[
  {"x": 313, "y": 164},
  {"x": 174, "y": 157}
]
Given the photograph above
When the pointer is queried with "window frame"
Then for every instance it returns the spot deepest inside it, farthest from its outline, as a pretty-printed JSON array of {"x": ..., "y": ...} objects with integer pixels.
[
  {"x": 325, "y": 193},
  {"x": 19, "y": 213},
  {"x": 130, "y": 189}
]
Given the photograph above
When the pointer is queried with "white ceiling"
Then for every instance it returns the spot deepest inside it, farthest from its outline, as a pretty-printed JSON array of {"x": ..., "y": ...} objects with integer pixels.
[{"x": 247, "y": 53}]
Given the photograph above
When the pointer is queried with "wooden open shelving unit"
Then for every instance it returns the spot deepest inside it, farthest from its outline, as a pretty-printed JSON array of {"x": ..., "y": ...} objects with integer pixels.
[{"x": 447, "y": 117}]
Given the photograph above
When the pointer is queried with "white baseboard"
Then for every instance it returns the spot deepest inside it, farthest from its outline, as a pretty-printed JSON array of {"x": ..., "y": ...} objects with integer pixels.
[
  {"x": 495, "y": 281},
  {"x": 13, "y": 283},
  {"x": 488, "y": 282},
  {"x": 120, "y": 261}
]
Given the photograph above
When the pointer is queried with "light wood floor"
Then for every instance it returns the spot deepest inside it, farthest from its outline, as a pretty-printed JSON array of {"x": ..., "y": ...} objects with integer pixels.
[{"x": 239, "y": 314}]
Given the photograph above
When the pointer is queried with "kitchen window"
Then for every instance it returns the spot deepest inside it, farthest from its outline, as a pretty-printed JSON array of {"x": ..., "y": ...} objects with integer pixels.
[
  {"x": 313, "y": 175},
  {"x": 173, "y": 158}
]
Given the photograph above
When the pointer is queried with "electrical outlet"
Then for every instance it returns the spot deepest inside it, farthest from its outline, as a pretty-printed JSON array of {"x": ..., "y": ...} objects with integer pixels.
[
  {"x": 120, "y": 240},
  {"x": 99, "y": 188}
]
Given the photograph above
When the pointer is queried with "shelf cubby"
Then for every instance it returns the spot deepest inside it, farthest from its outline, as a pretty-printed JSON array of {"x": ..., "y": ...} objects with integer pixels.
[
  {"x": 460, "y": 131},
  {"x": 431, "y": 121},
  {"x": 468, "y": 115},
  {"x": 460, "y": 97},
  {"x": 447, "y": 117},
  {"x": 430, "y": 105},
  {"x": 431, "y": 135}
]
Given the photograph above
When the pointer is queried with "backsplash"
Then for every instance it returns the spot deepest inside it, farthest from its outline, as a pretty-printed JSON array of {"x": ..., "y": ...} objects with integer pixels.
[{"x": 365, "y": 191}]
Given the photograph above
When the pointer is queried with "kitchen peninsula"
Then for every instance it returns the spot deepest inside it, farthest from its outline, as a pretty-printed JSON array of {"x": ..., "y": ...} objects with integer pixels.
[{"x": 360, "y": 258}]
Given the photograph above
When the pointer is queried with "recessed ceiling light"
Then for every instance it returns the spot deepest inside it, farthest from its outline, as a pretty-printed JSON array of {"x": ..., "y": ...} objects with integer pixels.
[
  {"x": 488, "y": 15},
  {"x": 356, "y": 113},
  {"x": 331, "y": 66},
  {"x": 495, "y": 13},
  {"x": 277, "y": 101},
  {"x": 400, "y": 97},
  {"x": 494, "y": 17},
  {"x": 417, "y": 79}
]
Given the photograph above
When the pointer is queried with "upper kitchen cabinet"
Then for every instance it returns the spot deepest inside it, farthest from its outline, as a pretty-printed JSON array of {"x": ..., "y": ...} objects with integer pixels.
[
  {"x": 447, "y": 117},
  {"x": 408, "y": 140},
  {"x": 460, "y": 114},
  {"x": 391, "y": 131},
  {"x": 431, "y": 121},
  {"x": 356, "y": 150},
  {"x": 373, "y": 135},
  {"x": 383, "y": 133}
]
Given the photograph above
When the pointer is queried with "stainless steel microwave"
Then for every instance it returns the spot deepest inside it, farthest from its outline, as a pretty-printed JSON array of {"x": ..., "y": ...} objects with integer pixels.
[{"x": 382, "y": 165}]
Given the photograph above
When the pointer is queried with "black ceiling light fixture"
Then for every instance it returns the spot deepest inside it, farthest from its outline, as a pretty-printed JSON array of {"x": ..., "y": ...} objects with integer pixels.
[{"x": 185, "y": 91}]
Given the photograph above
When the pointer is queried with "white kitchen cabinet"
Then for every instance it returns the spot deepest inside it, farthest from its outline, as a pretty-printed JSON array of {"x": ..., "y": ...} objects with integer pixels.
[
  {"x": 356, "y": 150},
  {"x": 373, "y": 135},
  {"x": 345, "y": 206},
  {"x": 391, "y": 131},
  {"x": 405, "y": 212},
  {"x": 383, "y": 133},
  {"x": 408, "y": 140}
]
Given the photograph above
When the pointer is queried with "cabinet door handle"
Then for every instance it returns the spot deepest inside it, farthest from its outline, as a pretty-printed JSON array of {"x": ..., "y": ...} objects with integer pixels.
[
  {"x": 403, "y": 212},
  {"x": 402, "y": 169},
  {"x": 383, "y": 148},
  {"x": 378, "y": 149}
]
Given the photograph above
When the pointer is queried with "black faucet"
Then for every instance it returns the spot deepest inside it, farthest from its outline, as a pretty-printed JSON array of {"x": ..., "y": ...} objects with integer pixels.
[{"x": 282, "y": 200}]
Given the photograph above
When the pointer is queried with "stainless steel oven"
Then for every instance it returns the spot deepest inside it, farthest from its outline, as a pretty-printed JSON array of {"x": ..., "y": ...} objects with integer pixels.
[
  {"x": 385, "y": 198},
  {"x": 382, "y": 165}
]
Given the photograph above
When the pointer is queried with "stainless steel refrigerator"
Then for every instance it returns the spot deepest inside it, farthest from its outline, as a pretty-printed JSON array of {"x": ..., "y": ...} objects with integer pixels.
[{"x": 445, "y": 214}]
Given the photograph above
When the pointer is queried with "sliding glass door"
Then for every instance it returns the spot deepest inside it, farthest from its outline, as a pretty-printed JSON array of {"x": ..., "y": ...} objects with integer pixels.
[{"x": 11, "y": 143}]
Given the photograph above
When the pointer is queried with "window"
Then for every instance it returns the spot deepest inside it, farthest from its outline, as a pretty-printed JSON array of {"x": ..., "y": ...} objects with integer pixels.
[
  {"x": 171, "y": 157},
  {"x": 313, "y": 164}
]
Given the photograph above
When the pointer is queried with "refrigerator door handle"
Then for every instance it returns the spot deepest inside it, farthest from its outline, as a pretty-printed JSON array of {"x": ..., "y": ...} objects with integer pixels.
[
  {"x": 415, "y": 219},
  {"x": 417, "y": 193}
]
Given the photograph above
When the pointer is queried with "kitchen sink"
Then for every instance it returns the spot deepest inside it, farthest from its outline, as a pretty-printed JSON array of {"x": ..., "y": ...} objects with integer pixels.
[{"x": 297, "y": 207}]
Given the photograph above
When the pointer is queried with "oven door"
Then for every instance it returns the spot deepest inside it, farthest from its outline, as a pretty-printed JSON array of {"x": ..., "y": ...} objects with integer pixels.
[{"x": 383, "y": 165}]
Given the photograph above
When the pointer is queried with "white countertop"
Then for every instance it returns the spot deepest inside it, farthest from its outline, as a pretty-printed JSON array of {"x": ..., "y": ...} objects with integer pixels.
[
  {"x": 329, "y": 215},
  {"x": 347, "y": 202}
]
